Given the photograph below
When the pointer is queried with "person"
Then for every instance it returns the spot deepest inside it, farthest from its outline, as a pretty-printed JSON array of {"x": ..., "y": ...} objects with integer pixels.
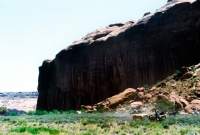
[
  {"x": 135, "y": 111},
  {"x": 173, "y": 112},
  {"x": 195, "y": 111},
  {"x": 157, "y": 115}
]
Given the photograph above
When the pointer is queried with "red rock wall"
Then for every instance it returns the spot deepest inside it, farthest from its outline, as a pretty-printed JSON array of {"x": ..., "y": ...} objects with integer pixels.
[{"x": 107, "y": 61}]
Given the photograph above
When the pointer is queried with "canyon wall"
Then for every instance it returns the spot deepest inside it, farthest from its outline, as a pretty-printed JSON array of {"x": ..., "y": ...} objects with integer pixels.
[{"x": 122, "y": 55}]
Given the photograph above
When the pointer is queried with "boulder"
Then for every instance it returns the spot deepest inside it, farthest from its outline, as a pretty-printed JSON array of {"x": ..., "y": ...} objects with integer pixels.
[
  {"x": 147, "y": 96},
  {"x": 189, "y": 108},
  {"x": 186, "y": 75},
  {"x": 161, "y": 96},
  {"x": 190, "y": 98},
  {"x": 195, "y": 102},
  {"x": 140, "y": 89},
  {"x": 136, "y": 105},
  {"x": 178, "y": 100}
]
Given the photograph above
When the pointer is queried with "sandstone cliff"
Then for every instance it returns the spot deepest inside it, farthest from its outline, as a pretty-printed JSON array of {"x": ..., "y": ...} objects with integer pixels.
[{"x": 122, "y": 55}]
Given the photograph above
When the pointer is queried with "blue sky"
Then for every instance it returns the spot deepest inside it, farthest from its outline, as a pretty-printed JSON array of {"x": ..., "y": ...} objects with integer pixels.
[{"x": 34, "y": 30}]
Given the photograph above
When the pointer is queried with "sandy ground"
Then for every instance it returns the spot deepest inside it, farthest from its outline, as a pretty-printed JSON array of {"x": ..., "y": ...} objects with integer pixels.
[{"x": 20, "y": 104}]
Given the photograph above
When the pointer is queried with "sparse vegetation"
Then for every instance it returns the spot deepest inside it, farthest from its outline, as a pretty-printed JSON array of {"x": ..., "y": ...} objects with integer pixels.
[
  {"x": 94, "y": 124},
  {"x": 177, "y": 72},
  {"x": 30, "y": 112},
  {"x": 164, "y": 105},
  {"x": 3, "y": 111},
  {"x": 146, "y": 86}
]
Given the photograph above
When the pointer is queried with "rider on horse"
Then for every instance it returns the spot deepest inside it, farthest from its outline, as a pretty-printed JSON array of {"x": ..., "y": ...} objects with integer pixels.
[{"x": 157, "y": 115}]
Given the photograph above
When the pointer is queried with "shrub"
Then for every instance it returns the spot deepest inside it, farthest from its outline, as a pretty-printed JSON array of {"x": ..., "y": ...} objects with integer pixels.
[
  {"x": 104, "y": 125},
  {"x": 170, "y": 120},
  {"x": 136, "y": 123},
  {"x": 3, "y": 111},
  {"x": 21, "y": 122},
  {"x": 164, "y": 105},
  {"x": 158, "y": 81},
  {"x": 165, "y": 125},
  {"x": 154, "y": 124},
  {"x": 35, "y": 130},
  {"x": 40, "y": 112},
  {"x": 168, "y": 78},
  {"x": 30, "y": 112},
  {"x": 184, "y": 131},
  {"x": 101, "y": 110},
  {"x": 86, "y": 121},
  {"x": 177, "y": 72},
  {"x": 83, "y": 110},
  {"x": 146, "y": 86},
  {"x": 13, "y": 114},
  {"x": 55, "y": 112}
]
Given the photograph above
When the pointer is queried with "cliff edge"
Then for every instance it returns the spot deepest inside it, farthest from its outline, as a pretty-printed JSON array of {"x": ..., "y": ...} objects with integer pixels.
[{"x": 120, "y": 56}]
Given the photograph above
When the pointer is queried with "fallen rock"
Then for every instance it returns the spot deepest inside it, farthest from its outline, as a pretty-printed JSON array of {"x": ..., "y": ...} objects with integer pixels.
[
  {"x": 147, "y": 96},
  {"x": 140, "y": 89},
  {"x": 136, "y": 105},
  {"x": 190, "y": 98},
  {"x": 186, "y": 75},
  {"x": 195, "y": 102},
  {"x": 113, "y": 101},
  {"x": 178, "y": 100},
  {"x": 189, "y": 108},
  {"x": 161, "y": 96}
]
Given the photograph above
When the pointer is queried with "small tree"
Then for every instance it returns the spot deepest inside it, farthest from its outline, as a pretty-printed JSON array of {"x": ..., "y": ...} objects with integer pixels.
[
  {"x": 164, "y": 105},
  {"x": 3, "y": 111}
]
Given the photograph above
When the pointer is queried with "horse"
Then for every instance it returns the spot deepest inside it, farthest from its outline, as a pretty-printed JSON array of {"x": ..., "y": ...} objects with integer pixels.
[
  {"x": 139, "y": 116},
  {"x": 153, "y": 117},
  {"x": 162, "y": 113}
]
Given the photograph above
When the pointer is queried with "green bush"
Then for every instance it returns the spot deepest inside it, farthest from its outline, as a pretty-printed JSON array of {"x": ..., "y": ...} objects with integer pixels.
[
  {"x": 155, "y": 124},
  {"x": 86, "y": 121},
  {"x": 101, "y": 110},
  {"x": 164, "y": 105},
  {"x": 184, "y": 131},
  {"x": 13, "y": 114},
  {"x": 165, "y": 125},
  {"x": 170, "y": 120},
  {"x": 83, "y": 110},
  {"x": 55, "y": 112},
  {"x": 104, "y": 125},
  {"x": 35, "y": 130},
  {"x": 30, "y": 112},
  {"x": 177, "y": 72},
  {"x": 146, "y": 86},
  {"x": 3, "y": 111},
  {"x": 70, "y": 112},
  {"x": 136, "y": 123},
  {"x": 41, "y": 112},
  {"x": 21, "y": 122}
]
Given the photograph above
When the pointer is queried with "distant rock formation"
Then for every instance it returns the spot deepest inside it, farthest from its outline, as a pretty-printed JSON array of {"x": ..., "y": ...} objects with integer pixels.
[
  {"x": 122, "y": 55},
  {"x": 19, "y": 94}
]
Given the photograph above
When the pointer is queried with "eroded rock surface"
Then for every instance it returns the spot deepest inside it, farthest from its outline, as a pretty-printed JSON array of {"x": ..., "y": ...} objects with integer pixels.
[{"x": 122, "y": 55}]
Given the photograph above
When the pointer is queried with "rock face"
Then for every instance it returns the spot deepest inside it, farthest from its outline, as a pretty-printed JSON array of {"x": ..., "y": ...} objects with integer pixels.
[{"x": 122, "y": 55}]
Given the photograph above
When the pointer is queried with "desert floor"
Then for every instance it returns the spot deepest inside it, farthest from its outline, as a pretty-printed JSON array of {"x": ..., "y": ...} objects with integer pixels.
[{"x": 20, "y": 104}]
